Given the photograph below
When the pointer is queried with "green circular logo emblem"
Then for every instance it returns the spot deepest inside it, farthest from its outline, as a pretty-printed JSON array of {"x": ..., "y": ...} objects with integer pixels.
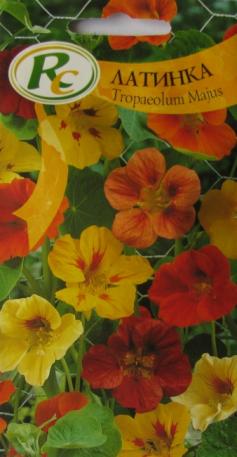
[{"x": 54, "y": 73}]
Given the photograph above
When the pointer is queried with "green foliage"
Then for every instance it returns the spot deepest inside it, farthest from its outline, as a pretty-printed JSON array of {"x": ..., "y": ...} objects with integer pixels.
[
  {"x": 19, "y": 11},
  {"x": 10, "y": 272},
  {"x": 135, "y": 125},
  {"x": 200, "y": 344},
  {"x": 88, "y": 205},
  {"x": 219, "y": 440},
  {"x": 24, "y": 438},
  {"x": 89, "y": 432},
  {"x": 187, "y": 42},
  {"x": 24, "y": 129},
  {"x": 233, "y": 111}
]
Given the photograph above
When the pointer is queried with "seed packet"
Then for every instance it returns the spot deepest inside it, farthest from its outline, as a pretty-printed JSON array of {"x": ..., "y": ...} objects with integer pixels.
[{"x": 118, "y": 202}]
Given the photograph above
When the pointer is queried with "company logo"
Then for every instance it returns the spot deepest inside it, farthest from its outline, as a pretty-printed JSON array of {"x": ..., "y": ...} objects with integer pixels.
[{"x": 54, "y": 73}]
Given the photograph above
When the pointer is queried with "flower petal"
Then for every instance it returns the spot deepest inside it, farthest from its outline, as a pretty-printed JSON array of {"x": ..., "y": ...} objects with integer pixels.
[
  {"x": 217, "y": 117},
  {"x": 64, "y": 260},
  {"x": 117, "y": 302},
  {"x": 146, "y": 167},
  {"x": 65, "y": 335},
  {"x": 101, "y": 369},
  {"x": 7, "y": 388},
  {"x": 99, "y": 248},
  {"x": 12, "y": 351},
  {"x": 134, "y": 269},
  {"x": 182, "y": 185},
  {"x": 216, "y": 140},
  {"x": 80, "y": 299},
  {"x": 3, "y": 425},
  {"x": 164, "y": 125},
  {"x": 36, "y": 364},
  {"x": 223, "y": 235},
  {"x": 143, "y": 395},
  {"x": 94, "y": 111},
  {"x": 120, "y": 191},
  {"x": 110, "y": 140},
  {"x": 134, "y": 228},
  {"x": 215, "y": 207},
  {"x": 173, "y": 222},
  {"x": 36, "y": 307}
]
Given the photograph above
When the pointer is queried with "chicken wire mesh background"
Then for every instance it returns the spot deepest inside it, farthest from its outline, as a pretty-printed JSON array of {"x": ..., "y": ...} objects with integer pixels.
[{"x": 210, "y": 16}]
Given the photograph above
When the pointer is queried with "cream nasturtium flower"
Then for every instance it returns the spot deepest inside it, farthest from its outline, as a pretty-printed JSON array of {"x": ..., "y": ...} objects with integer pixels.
[
  {"x": 212, "y": 394},
  {"x": 16, "y": 156},
  {"x": 84, "y": 131},
  {"x": 96, "y": 273},
  {"x": 158, "y": 433},
  {"x": 33, "y": 335}
]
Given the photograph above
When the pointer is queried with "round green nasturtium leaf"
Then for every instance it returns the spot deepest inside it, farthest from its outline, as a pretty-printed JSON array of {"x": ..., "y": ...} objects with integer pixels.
[
  {"x": 219, "y": 440},
  {"x": 90, "y": 430},
  {"x": 88, "y": 205}
]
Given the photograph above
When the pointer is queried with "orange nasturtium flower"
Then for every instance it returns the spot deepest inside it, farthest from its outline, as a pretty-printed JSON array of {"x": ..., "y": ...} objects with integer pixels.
[
  {"x": 218, "y": 216},
  {"x": 50, "y": 410},
  {"x": 212, "y": 394},
  {"x": 158, "y": 433},
  {"x": 151, "y": 201},
  {"x": 16, "y": 156},
  {"x": 33, "y": 335},
  {"x": 206, "y": 134},
  {"x": 142, "y": 9},
  {"x": 97, "y": 275},
  {"x": 83, "y": 131},
  {"x": 7, "y": 388}
]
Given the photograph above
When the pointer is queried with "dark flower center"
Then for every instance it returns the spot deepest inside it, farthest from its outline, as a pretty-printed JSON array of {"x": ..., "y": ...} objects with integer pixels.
[
  {"x": 154, "y": 200},
  {"x": 136, "y": 364},
  {"x": 90, "y": 112},
  {"x": 38, "y": 323},
  {"x": 203, "y": 283},
  {"x": 224, "y": 387}
]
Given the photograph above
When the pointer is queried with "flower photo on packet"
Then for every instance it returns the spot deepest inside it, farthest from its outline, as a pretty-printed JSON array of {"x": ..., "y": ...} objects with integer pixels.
[{"x": 118, "y": 228}]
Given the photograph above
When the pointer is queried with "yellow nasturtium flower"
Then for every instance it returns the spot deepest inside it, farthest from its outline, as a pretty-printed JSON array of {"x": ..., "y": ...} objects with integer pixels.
[
  {"x": 218, "y": 216},
  {"x": 96, "y": 273},
  {"x": 33, "y": 335},
  {"x": 159, "y": 433},
  {"x": 212, "y": 394},
  {"x": 16, "y": 156},
  {"x": 84, "y": 131}
]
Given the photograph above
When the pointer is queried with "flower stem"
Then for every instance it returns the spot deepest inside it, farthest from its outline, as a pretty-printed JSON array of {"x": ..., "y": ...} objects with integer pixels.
[
  {"x": 2, "y": 442},
  {"x": 178, "y": 248},
  {"x": 213, "y": 339},
  {"x": 233, "y": 169},
  {"x": 80, "y": 354},
  {"x": 35, "y": 286},
  {"x": 17, "y": 398},
  {"x": 46, "y": 270},
  {"x": 67, "y": 373}
]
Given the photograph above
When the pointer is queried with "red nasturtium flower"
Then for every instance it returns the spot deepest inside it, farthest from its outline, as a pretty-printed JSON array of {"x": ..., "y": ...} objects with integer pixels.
[
  {"x": 7, "y": 388},
  {"x": 142, "y": 9},
  {"x": 141, "y": 363},
  {"x": 194, "y": 288},
  {"x": 203, "y": 133},
  {"x": 231, "y": 31},
  {"x": 13, "y": 230},
  {"x": 57, "y": 407},
  {"x": 11, "y": 101},
  {"x": 151, "y": 201}
]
